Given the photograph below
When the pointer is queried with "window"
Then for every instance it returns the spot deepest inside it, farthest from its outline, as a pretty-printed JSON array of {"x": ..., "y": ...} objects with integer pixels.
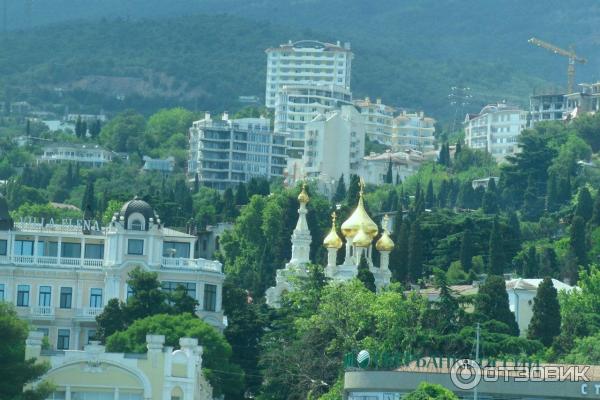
[
  {"x": 70, "y": 250},
  {"x": 56, "y": 396},
  {"x": 23, "y": 247},
  {"x": 23, "y": 296},
  {"x": 135, "y": 246},
  {"x": 2, "y": 247},
  {"x": 190, "y": 287},
  {"x": 95, "y": 251},
  {"x": 95, "y": 297},
  {"x": 210, "y": 297},
  {"x": 45, "y": 331},
  {"x": 176, "y": 249},
  {"x": 45, "y": 299},
  {"x": 129, "y": 292},
  {"x": 136, "y": 225},
  {"x": 91, "y": 335},
  {"x": 66, "y": 296},
  {"x": 1, "y": 291},
  {"x": 62, "y": 342}
]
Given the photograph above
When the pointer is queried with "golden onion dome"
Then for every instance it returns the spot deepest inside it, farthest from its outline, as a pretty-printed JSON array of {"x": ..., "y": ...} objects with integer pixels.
[
  {"x": 362, "y": 239},
  {"x": 332, "y": 240},
  {"x": 360, "y": 220},
  {"x": 384, "y": 243},
  {"x": 303, "y": 196}
]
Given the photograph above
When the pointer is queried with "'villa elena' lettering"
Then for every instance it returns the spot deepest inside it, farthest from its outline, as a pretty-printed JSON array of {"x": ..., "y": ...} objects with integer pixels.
[{"x": 86, "y": 224}]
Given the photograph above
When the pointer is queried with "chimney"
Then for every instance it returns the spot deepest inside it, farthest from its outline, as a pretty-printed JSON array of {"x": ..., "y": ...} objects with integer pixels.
[
  {"x": 225, "y": 116},
  {"x": 379, "y": 100},
  {"x": 33, "y": 344},
  {"x": 207, "y": 116}
]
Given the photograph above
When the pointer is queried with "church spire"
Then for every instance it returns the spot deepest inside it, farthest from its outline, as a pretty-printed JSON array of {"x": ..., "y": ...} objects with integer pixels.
[{"x": 301, "y": 238}]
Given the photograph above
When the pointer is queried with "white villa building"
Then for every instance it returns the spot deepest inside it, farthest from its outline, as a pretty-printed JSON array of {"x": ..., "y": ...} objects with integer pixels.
[
  {"x": 307, "y": 62},
  {"x": 61, "y": 274},
  {"x": 413, "y": 131},
  {"x": 495, "y": 129},
  {"x": 378, "y": 120},
  {"x": 359, "y": 231},
  {"x": 93, "y": 155}
]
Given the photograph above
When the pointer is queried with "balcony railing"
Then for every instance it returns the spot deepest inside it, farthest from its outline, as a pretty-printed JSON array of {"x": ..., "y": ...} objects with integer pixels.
[
  {"x": 186, "y": 263},
  {"x": 42, "y": 311},
  {"x": 90, "y": 312},
  {"x": 59, "y": 262}
]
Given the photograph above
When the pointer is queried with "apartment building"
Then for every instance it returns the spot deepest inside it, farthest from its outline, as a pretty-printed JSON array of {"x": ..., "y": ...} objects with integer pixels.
[
  {"x": 61, "y": 274},
  {"x": 89, "y": 154},
  {"x": 307, "y": 62},
  {"x": 225, "y": 152},
  {"x": 546, "y": 105},
  {"x": 495, "y": 129},
  {"x": 413, "y": 131},
  {"x": 378, "y": 119}
]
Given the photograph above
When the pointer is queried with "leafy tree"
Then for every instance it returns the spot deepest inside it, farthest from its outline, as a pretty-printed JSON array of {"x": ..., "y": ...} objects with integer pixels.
[
  {"x": 492, "y": 303},
  {"x": 496, "y": 263},
  {"x": 124, "y": 133},
  {"x": 585, "y": 207},
  {"x": 578, "y": 240},
  {"x": 415, "y": 252},
  {"x": 587, "y": 127},
  {"x": 146, "y": 297},
  {"x": 430, "y": 391},
  {"x": 111, "y": 319},
  {"x": 182, "y": 302},
  {"x": 15, "y": 371},
  {"x": 365, "y": 275},
  {"x": 224, "y": 376},
  {"x": 545, "y": 322}
]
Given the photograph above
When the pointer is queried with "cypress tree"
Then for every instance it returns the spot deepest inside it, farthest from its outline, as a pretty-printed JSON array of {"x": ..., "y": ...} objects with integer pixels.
[
  {"x": 429, "y": 197},
  {"x": 595, "y": 221},
  {"x": 513, "y": 239},
  {"x": 340, "y": 190},
  {"x": 28, "y": 128},
  {"x": 549, "y": 263},
  {"x": 229, "y": 210},
  {"x": 399, "y": 255},
  {"x": 496, "y": 262},
  {"x": 443, "y": 155},
  {"x": 353, "y": 190},
  {"x": 585, "y": 207},
  {"x": 442, "y": 197},
  {"x": 241, "y": 197},
  {"x": 457, "y": 150},
  {"x": 552, "y": 202},
  {"x": 365, "y": 275},
  {"x": 577, "y": 240},
  {"x": 389, "y": 176},
  {"x": 532, "y": 207},
  {"x": 545, "y": 322},
  {"x": 398, "y": 180},
  {"x": 466, "y": 247},
  {"x": 415, "y": 253},
  {"x": 492, "y": 303},
  {"x": 196, "y": 183},
  {"x": 78, "y": 127},
  {"x": 531, "y": 267},
  {"x": 489, "y": 203},
  {"x": 88, "y": 200},
  {"x": 564, "y": 189}
]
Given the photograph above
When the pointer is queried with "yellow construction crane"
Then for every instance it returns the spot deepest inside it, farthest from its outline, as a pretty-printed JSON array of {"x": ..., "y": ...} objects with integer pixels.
[{"x": 570, "y": 54}]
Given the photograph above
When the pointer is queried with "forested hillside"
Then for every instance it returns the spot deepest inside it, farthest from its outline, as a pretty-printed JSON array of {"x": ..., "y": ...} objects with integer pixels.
[{"x": 408, "y": 53}]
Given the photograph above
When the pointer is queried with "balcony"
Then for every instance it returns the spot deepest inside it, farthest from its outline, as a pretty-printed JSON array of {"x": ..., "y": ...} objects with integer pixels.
[
  {"x": 89, "y": 312},
  {"x": 199, "y": 264},
  {"x": 42, "y": 311},
  {"x": 57, "y": 262}
]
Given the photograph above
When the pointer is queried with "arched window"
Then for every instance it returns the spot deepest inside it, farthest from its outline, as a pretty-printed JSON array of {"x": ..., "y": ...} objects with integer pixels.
[{"x": 136, "y": 225}]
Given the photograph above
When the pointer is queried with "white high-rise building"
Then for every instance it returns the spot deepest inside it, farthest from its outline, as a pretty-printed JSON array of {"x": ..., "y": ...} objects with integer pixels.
[
  {"x": 495, "y": 129},
  {"x": 307, "y": 62},
  {"x": 335, "y": 145},
  {"x": 378, "y": 119},
  {"x": 60, "y": 274},
  {"x": 299, "y": 104}
]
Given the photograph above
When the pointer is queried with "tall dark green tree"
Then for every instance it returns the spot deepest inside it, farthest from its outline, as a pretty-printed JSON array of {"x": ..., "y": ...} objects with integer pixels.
[
  {"x": 531, "y": 266},
  {"x": 340, "y": 190},
  {"x": 466, "y": 197},
  {"x": 492, "y": 303},
  {"x": 496, "y": 261},
  {"x": 466, "y": 247},
  {"x": 457, "y": 150},
  {"x": 196, "y": 183},
  {"x": 595, "y": 220},
  {"x": 533, "y": 204},
  {"x": 229, "y": 209},
  {"x": 365, "y": 275},
  {"x": 429, "y": 196},
  {"x": 415, "y": 253},
  {"x": 353, "y": 190},
  {"x": 389, "y": 176},
  {"x": 564, "y": 189},
  {"x": 490, "y": 199},
  {"x": 585, "y": 206},
  {"x": 545, "y": 322},
  {"x": 399, "y": 255},
  {"x": 512, "y": 240},
  {"x": 552, "y": 198},
  {"x": 241, "y": 196},
  {"x": 549, "y": 263},
  {"x": 578, "y": 240},
  {"x": 88, "y": 202}
]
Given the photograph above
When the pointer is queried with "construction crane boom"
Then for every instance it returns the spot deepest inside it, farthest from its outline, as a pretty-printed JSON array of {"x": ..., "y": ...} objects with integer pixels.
[{"x": 570, "y": 54}]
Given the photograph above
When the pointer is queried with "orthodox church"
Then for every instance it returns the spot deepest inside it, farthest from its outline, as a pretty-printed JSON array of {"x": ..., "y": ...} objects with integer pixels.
[{"x": 359, "y": 232}]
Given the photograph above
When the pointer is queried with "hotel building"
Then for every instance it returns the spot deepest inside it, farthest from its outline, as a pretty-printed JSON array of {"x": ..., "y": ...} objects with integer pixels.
[
  {"x": 225, "y": 152},
  {"x": 413, "y": 131},
  {"x": 378, "y": 119},
  {"x": 61, "y": 274}
]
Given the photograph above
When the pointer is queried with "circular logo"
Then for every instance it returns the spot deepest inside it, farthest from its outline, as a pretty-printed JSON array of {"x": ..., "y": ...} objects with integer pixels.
[
  {"x": 465, "y": 374},
  {"x": 363, "y": 359}
]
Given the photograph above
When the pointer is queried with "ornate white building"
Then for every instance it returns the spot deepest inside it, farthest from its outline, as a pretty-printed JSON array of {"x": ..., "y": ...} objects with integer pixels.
[
  {"x": 61, "y": 274},
  {"x": 359, "y": 231}
]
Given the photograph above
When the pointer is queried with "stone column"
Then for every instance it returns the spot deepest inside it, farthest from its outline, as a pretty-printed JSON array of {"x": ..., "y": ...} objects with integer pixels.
[
  {"x": 33, "y": 344},
  {"x": 331, "y": 257}
]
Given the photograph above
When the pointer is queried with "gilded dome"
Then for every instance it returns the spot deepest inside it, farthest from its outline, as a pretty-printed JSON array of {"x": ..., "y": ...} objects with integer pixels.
[
  {"x": 332, "y": 240},
  {"x": 303, "y": 196},
  {"x": 360, "y": 220},
  {"x": 362, "y": 239},
  {"x": 384, "y": 243}
]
